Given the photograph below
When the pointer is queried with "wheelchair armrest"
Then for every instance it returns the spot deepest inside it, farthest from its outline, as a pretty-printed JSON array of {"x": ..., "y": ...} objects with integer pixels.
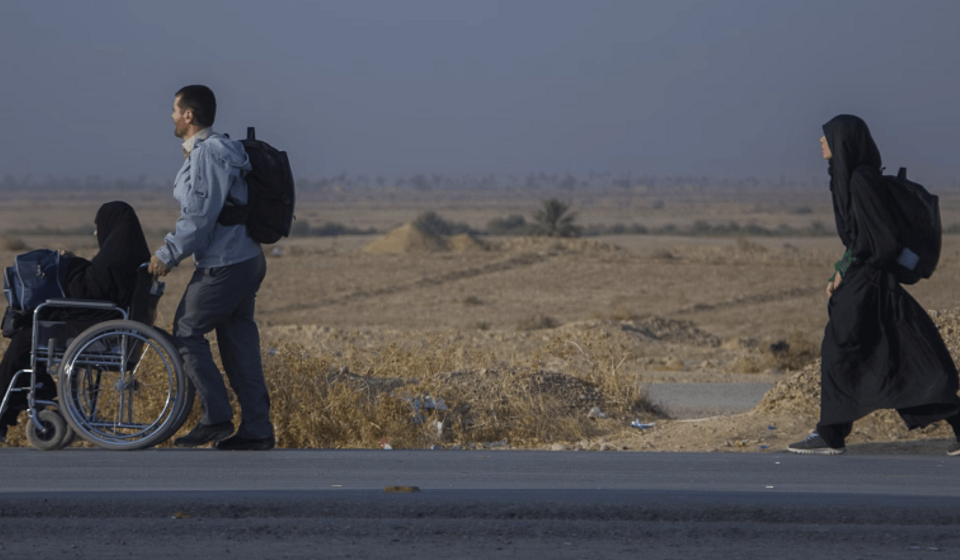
[
  {"x": 54, "y": 303},
  {"x": 84, "y": 303}
]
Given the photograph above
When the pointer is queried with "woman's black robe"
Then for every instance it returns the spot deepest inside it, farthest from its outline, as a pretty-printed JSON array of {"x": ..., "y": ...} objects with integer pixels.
[
  {"x": 880, "y": 348},
  {"x": 111, "y": 276}
]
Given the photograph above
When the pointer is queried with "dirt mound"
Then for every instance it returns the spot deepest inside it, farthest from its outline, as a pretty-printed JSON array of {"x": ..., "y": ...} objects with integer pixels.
[
  {"x": 406, "y": 239},
  {"x": 464, "y": 243},
  {"x": 799, "y": 395},
  {"x": 948, "y": 322}
]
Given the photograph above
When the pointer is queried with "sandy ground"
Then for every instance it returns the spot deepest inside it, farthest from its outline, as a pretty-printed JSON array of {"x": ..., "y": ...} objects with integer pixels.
[{"x": 666, "y": 310}]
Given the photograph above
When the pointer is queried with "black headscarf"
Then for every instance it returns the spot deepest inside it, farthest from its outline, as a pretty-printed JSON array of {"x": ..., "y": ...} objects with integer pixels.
[
  {"x": 112, "y": 274},
  {"x": 861, "y": 202},
  {"x": 852, "y": 146}
]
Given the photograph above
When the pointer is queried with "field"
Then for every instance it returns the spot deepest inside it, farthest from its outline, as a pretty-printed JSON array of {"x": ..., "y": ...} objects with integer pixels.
[{"x": 490, "y": 341}]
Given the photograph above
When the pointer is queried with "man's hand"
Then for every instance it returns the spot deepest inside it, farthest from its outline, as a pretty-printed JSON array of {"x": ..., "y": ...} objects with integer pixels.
[
  {"x": 833, "y": 284},
  {"x": 157, "y": 268}
]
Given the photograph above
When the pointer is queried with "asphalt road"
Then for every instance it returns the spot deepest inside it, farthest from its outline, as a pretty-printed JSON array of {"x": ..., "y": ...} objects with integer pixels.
[
  {"x": 701, "y": 400},
  {"x": 88, "y": 503}
]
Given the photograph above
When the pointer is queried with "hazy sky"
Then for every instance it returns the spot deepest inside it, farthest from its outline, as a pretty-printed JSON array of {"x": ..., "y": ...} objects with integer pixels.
[{"x": 395, "y": 87}]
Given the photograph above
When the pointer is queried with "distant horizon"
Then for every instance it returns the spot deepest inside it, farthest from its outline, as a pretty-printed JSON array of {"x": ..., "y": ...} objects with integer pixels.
[{"x": 463, "y": 181}]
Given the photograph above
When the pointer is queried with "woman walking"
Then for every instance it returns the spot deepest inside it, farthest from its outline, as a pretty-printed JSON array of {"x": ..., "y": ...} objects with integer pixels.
[{"x": 880, "y": 348}]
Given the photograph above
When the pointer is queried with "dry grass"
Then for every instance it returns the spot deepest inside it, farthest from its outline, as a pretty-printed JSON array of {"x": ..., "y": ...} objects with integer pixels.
[
  {"x": 599, "y": 362},
  {"x": 785, "y": 355},
  {"x": 425, "y": 394},
  {"x": 537, "y": 321},
  {"x": 362, "y": 397}
]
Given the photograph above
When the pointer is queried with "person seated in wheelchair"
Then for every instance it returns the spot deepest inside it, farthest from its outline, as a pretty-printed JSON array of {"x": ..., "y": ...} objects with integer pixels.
[{"x": 110, "y": 276}]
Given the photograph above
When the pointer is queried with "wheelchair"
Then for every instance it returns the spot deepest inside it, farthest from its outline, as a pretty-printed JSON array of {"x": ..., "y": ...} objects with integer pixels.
[{"x": 120, "y": 383}]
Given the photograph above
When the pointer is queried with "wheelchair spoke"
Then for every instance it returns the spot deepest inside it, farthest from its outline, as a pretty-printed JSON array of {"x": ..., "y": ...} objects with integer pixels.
[{"x": 124, "y": 386}]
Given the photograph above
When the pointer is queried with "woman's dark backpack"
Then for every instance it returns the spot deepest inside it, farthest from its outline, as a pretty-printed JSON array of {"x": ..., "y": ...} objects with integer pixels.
[
  {"x": 918, "y": 222},
  {"x": 268, "y": 213}
]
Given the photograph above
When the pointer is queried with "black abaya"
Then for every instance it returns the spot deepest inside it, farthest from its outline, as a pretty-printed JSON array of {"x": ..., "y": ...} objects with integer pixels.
[
  {"x": 880, "y": 348},
  {"x": 111, "y": 276}
]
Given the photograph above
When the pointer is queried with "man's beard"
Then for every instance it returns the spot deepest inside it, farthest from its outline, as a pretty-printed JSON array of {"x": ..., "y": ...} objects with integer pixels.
[{"x": 179, "y": 129}]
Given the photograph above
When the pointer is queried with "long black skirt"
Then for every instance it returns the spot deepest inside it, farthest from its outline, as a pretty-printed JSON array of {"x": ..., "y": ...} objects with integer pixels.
[{"x": 881, "y": 350}]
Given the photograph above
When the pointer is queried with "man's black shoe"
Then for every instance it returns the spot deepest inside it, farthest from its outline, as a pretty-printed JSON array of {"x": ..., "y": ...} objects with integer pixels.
[
  {"x": 237, "y": 443},
  {"x": 202, "y": 434}
]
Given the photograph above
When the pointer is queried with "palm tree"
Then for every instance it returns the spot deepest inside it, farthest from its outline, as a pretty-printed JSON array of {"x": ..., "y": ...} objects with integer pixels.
[{"x": 553, "y": 220}]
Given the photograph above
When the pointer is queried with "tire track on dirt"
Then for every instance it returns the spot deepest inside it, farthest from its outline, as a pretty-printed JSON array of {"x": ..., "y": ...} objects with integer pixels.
[
  {"x": 523, "y": 260},
  {"x": 747, "y": 300}
]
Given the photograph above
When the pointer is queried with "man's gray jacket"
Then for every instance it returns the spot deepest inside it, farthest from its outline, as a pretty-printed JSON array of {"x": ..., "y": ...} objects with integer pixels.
[{"x": 213, "y": 171}]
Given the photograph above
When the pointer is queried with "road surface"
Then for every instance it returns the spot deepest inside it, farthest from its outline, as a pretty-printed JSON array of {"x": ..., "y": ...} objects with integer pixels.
[{"x": 90, "y": 503}]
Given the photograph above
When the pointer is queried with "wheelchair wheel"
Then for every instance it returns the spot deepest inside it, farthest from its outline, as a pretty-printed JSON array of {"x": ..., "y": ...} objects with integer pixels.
[
  {"x": 122, "y": 386},
  {"x": 53, "y": 434},
  {"x": 68, "y": 437}
]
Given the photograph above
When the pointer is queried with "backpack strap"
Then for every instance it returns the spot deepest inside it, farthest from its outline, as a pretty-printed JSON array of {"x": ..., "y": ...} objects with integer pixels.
[
  {"x": 236, "y": 213},
  {"x": 233, "y": 215}
]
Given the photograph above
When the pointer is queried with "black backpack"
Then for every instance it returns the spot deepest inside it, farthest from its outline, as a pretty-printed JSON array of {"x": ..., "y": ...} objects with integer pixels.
[
  {"x": 917, "y": 213},
  {"x": 268, "y": 213}
]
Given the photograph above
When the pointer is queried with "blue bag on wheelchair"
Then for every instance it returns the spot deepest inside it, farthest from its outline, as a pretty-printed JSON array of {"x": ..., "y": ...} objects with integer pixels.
[{"x": 34, "y": 278}]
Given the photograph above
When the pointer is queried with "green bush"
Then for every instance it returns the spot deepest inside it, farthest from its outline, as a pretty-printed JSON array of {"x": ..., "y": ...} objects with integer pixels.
[
  {"x": 432, "y": 223},
  {"x": 514, "y": 224}
]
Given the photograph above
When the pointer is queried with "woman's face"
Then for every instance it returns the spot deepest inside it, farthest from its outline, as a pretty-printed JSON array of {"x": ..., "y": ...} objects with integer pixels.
[{"x": 825, "y": 147}]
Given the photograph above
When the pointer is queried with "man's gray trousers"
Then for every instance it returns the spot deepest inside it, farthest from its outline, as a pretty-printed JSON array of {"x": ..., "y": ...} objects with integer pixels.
[{"x": 223, "y": 299}]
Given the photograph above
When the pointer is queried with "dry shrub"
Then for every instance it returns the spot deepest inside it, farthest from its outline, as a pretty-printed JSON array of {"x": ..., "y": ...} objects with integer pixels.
[
  {"x": 672, "y": 363},
  {"x": 745, "y": 245},
  {"x": 422, "y": 393},
  {"x": 359, "y": 397},
  {"x": 515, "y": 405},
  {"x": 622, "y": 395},
  {"x": 663, "y": 255},
  {"x": 319, "y": 402},
  {"x": 797, "y": 351},
  {"x": 790, "y": 354}
]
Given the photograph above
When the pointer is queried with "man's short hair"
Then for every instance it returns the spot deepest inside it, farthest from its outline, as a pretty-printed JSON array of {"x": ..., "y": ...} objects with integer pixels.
[{"x": 201, "y": 101}]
